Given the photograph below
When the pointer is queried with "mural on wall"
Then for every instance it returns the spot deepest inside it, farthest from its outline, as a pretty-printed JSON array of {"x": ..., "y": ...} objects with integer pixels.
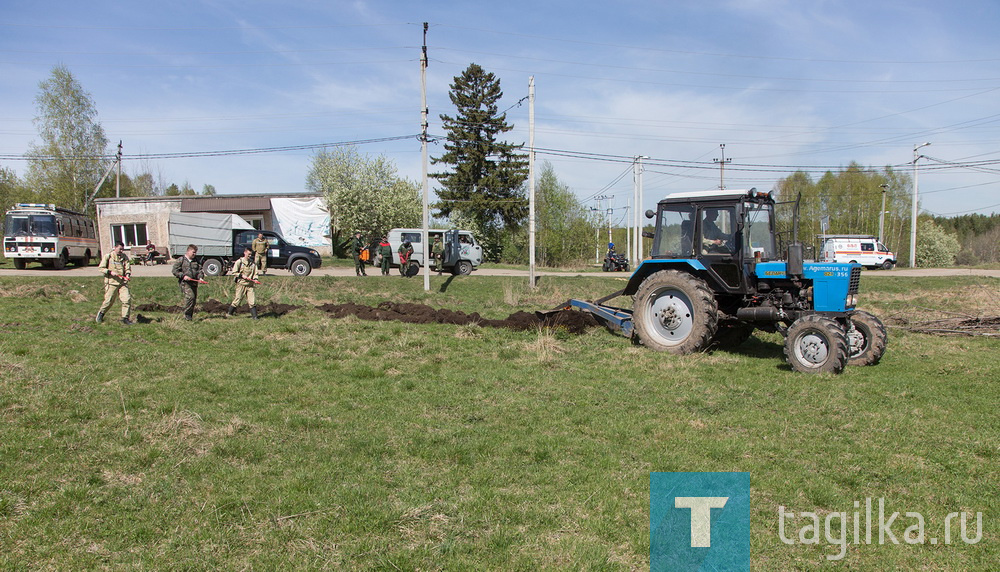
[{"x": 303, "y": 222}]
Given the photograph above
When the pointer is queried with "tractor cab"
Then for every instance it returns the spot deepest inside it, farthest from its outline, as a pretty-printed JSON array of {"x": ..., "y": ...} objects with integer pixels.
[{"x": 726, "y": 232}]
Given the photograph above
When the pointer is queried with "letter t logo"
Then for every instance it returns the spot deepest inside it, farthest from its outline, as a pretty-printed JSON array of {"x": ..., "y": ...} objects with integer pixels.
[{"x": 701, "y": 517}]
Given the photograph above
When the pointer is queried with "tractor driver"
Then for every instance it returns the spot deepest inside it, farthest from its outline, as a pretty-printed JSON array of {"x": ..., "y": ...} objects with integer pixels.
[{"x": 713, "y": 239}]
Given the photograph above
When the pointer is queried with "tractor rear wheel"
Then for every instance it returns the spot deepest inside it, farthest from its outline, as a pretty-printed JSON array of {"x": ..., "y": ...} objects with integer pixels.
[
  {"x": 866, "y": 339},
  {"x": 816, "y": 344},
  {"x": 675, "y": 312}
]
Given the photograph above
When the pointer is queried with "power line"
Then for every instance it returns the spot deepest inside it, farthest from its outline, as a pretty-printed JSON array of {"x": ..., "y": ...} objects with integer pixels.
[{"x": 221, "y": 153}]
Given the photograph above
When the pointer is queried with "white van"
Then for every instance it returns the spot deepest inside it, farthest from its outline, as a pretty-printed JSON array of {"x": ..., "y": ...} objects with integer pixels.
[
  {"x": 461, "y": 253},
  {"x": 856, "y": 248}
]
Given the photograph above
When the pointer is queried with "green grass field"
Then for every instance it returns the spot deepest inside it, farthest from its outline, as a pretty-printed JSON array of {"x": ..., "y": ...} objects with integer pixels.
[{"x": 308, "y": 442}]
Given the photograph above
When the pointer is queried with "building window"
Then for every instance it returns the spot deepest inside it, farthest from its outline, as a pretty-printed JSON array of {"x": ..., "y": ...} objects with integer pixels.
[{"x": 131, "y": 234}]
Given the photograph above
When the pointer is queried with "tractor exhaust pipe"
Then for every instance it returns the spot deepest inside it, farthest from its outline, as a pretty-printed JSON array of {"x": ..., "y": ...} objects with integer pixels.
[{"x": 758, "y": 314}]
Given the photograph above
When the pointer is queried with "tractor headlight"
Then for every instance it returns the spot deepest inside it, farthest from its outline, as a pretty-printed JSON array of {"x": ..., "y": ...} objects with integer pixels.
[{"x": 852, "y": 300}]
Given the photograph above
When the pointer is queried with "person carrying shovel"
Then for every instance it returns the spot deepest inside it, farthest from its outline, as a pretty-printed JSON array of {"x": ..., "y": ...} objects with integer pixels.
[{"x": 245, "y": 276}]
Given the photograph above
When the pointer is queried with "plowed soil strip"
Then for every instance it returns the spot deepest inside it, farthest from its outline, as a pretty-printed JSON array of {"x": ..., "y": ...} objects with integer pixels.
[{"x": 573, "y": 321}]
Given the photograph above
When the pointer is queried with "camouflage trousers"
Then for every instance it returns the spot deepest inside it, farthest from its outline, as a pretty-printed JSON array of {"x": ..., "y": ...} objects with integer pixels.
[
  {"x": 190, "y": 293},
  {"x": 118, "y": 288},
  {"x": 244, "y": 291}
]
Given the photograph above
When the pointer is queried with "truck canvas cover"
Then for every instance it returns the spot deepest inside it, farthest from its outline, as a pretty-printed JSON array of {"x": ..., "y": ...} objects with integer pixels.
[{"x": 211, "y": 232}]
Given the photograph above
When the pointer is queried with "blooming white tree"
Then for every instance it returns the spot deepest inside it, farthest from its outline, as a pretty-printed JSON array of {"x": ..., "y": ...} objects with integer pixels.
[{"x": 363, "y": 193}]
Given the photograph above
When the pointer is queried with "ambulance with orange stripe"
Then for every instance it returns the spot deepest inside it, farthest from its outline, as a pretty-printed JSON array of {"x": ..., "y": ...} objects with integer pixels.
[{"x": 860, "y": 249}]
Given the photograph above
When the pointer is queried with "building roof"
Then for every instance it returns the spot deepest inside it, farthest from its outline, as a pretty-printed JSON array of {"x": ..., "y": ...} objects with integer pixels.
[
  {"x": 225, "y": 204},
  {"x": 158, "y": 198}
]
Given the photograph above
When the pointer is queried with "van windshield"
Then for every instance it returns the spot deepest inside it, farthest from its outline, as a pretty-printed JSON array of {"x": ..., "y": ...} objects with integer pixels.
[{"x": 30, "y": 225}]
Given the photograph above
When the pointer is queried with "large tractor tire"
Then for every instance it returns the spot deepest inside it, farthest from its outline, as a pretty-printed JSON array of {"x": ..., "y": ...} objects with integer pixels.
[
  {"x": 816, "y": 344},
  {"x": 866, "y": 339},
  {"x": 675, "y": 312}
]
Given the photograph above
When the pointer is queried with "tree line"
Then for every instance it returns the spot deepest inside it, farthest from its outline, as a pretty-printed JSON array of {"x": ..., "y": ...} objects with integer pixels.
[
  {"x": 72, "y": 155},
  {"x": 481, "y": 186}
]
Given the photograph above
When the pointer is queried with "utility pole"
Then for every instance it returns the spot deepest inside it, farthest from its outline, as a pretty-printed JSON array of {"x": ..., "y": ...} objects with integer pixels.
[
  {"x": 635, "y": 249},
  {"x": 603, "y": 211},
  {"x": 531, "y": 181},
  {"x": 913, "y": 213},
  {"x": 722, "y": 167},
  {"x": 881, "y": 216},
  {"x": 629, "y": 233},
  {"x": 423, "y": 150},
  {"x": 118, "y": 176}
]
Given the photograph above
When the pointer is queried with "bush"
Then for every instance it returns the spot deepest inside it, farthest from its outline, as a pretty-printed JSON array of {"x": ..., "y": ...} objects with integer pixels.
[{"x": 935, "y": 246}]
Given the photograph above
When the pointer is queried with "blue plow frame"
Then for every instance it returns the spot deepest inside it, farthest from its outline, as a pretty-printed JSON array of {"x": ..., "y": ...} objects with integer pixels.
[{"x": 618, "y": 319}]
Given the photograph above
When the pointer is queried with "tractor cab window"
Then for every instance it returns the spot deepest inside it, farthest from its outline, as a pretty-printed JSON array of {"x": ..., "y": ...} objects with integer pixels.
[
  {"x": 758, "y": 231},
  {"x": 676, "y": 227},
  {"x": 718, "y": 230}
]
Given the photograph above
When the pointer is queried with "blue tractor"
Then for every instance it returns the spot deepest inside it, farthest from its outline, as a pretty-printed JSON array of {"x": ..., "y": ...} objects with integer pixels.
[{"x": 715, "y": 273}]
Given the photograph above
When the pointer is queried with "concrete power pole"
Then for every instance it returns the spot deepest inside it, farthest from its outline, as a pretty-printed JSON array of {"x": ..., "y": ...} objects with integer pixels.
[
  {"x": 423, "y": 150},
  {"x": 913, "y": 213},
  {"x": 531, "y": 181},
  {"x": 722, "y": 167},
  {"x": 635, "y": 233},
  {"x": 881, "y": 216},
  {"x": 118, "y": 175}
]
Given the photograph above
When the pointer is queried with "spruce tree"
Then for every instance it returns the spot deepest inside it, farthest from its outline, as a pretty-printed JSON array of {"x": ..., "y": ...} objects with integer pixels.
[{"x": 485, "y": 181}]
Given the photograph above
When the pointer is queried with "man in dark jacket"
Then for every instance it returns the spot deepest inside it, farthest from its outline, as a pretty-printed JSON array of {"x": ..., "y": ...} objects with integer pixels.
[
  {"x": 189, "y": 274},
  {"x": 385, "y": 251}
]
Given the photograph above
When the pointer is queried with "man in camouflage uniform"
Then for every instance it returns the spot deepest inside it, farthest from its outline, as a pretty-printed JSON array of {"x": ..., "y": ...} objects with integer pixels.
[
  {"x": 357, "y": 245},
  {"x": 437, "y": 253},
  {"x": 117, "y": 271},
  {"x": 405, "y": 252},
  {"x": 188, "y": 273},
  {"x": 245, "y": 276},
  {"x": 260, "y": 246}
]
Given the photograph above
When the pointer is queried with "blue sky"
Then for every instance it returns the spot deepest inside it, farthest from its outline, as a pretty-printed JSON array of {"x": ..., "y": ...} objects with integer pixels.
[{"x": 784, "y": 84}]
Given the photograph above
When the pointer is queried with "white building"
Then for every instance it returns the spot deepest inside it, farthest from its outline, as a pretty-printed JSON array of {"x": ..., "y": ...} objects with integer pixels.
[{"x": 301, "y": 218}]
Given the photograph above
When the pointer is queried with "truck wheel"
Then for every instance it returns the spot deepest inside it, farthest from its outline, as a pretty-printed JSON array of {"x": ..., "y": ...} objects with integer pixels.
[
  {"x": 675, "y": 312},
  {"x": 85, "y": 261},
  {"x": 212, "y": 267},
  {"x": 20, "y": 264},
  {"x": 888, "y": 265},
  {"x": 59, "y": 263},
  {"x": 730, "y": 336},
  {"x": 412, "y": 269},
  {"x": 866, "y": 339},
  {"x": 301, "y": 267},
  {"x": 816, "y": 345},
  {"x": 463, "y": 268}
]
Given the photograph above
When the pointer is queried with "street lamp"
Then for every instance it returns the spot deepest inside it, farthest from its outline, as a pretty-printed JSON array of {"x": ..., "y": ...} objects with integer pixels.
[
  {"x": 913, "y": 214},
  {"x": 881, "y": 216}
]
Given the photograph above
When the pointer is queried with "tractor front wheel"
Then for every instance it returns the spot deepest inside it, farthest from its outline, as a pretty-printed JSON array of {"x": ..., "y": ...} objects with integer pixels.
[
  {"x": 675, "y": 312},
  {"x": 866, "y": 339},
  {"x": 815, "y": 344}
]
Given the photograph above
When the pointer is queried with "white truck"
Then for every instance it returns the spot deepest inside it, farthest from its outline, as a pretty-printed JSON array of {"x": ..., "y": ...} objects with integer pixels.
[
  {"x": 862, "y": 249},
  {"x": 461, "y": 253}
]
